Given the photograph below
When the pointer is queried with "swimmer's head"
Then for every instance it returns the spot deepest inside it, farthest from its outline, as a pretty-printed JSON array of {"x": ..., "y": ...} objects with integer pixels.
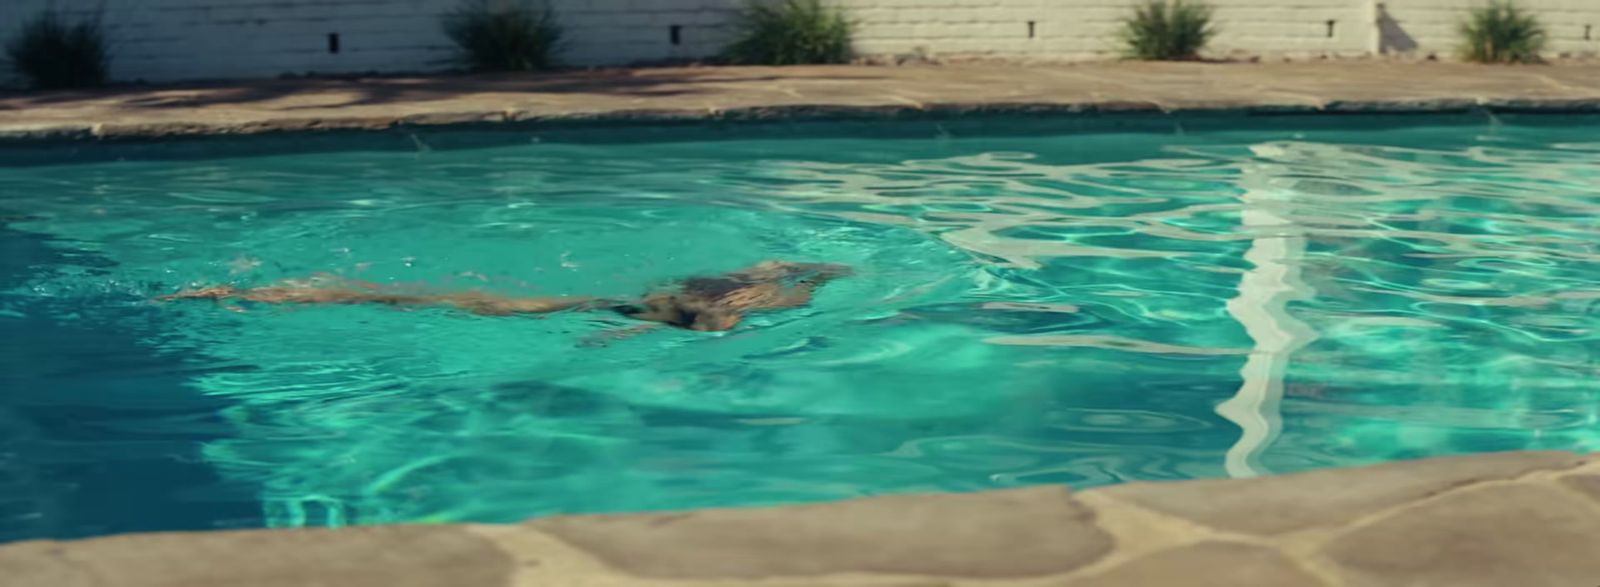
[
  {"x": 703, "y": 314},
  {"x": 689, "y": 312},
  {"x": 714, "y": 320}
]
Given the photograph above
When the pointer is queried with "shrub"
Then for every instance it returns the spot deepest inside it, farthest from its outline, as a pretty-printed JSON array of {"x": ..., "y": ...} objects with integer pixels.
[
  {"x": 504, "y": 35},
  {"x": 1502, "y": 33},
  {"x": 1168, "y": 29},
  {"x": 790, "y": 32},
  {"x": 52, "y": 52}
]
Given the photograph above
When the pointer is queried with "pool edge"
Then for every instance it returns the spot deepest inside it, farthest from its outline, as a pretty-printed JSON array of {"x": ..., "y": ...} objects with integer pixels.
[
  {"x": 796, "y": 93},
  {"x": 1480, "y": 519},
  {"x": 446, "y": 121}
]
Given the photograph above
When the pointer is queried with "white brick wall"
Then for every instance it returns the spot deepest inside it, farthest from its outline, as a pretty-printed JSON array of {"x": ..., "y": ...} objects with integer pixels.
[{"x": 161, "y": 40}]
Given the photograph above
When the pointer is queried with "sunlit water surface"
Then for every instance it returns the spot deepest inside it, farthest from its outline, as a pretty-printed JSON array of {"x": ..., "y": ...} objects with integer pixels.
[{"x": 1031, "y": 305}]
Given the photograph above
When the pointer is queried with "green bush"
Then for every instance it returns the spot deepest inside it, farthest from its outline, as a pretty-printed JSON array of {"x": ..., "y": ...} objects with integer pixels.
[
  {"x": 1502, "y": 33},
  {"x": 790, "y": 32},
  {"x": 1168, "y": 30},
  {"x": 53, "y": 52},
  {"x": 504, "y": 35}
]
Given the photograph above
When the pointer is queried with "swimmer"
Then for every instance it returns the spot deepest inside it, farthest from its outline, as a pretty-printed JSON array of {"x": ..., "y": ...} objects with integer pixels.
[{"x": 698, "y": 303}]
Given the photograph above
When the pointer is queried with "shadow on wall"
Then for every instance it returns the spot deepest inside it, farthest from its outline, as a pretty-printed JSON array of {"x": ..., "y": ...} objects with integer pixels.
[
  {"x": 340, "y": 93},
  {"x": 1391, "y": 37}
]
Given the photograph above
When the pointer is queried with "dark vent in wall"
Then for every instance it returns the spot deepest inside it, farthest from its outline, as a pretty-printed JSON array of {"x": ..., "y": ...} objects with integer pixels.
[
  {"x": 1031, "y": 29},
  {"x": 1331, "y": 23},
  {"x": 333, "y": 42},
  {"x": 676, "y": 34}
]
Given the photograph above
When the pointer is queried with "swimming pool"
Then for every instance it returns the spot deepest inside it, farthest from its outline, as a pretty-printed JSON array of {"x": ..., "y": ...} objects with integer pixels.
[{"x": 1034, "y": 302}]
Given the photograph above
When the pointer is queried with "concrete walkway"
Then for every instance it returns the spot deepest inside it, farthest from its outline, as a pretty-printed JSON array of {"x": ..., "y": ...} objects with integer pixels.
[
  {"x": 796, "y": 92},
  {"x": 1524, "y": 519}
]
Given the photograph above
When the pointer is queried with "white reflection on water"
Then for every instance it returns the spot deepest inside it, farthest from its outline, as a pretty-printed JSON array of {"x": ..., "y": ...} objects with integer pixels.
[{"x": 1262, "y": 308}]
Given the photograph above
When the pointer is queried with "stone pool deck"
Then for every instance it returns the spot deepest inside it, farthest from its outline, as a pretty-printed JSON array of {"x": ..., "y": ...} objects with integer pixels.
[
  {"x": 743, "y": 93},
  {"x": 1524, "y": 519}
]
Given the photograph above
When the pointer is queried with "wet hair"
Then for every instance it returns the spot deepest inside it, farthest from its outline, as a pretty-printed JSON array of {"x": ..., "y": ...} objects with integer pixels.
[
  {"x": 692, "y": 311},
  {"x": 697, "y": 314},
  {"x": 716, "y": 319},
  {"x": 719, "y": 303},
  {"x": 712, "y": 287},
  {"x": 627, "y": 309},
  {"x": 679, "y": 316}
]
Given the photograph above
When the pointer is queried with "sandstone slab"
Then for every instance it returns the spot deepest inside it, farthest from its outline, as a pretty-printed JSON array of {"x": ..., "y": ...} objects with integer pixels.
[
  {"x": 1499, "y": 535},
  {"x": 792, "y": 93},
  {"x": 1206, "y": 564},
  {"x": 1273, "y": 505},
  {"x": 380, "y": 556},
  {"x": 1019, "y": 533},
  {"x": 1494, "y": 519}
]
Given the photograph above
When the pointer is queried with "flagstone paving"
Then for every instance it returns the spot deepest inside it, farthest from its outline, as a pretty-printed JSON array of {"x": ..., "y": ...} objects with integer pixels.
[
  {"x": 743, "y": 93},
  {"x": 1526, "y": 519}
]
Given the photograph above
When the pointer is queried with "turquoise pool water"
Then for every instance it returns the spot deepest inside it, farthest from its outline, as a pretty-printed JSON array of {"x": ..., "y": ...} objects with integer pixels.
[{"x": 1035, "y": 303}]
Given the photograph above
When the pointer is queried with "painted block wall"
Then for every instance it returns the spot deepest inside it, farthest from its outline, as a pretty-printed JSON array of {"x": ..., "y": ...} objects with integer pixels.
[
  {"x": 1432, "y": 23},
  {"x": 166, "y": 40}
]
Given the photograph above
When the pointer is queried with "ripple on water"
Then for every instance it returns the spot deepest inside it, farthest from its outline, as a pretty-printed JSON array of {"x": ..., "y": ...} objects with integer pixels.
[{"x": 1082, "y": 309}]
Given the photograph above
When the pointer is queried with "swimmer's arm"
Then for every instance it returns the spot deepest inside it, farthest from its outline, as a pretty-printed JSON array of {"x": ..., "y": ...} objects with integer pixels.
[
  {"x": 493, "y": 305},
  {"x": 475, "y": 302}
]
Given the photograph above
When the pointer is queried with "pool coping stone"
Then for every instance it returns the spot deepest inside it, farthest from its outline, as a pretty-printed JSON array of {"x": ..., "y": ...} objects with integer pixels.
[
  {"x": 1523, "y": 518},
  {"x": 690, "y": 94}
]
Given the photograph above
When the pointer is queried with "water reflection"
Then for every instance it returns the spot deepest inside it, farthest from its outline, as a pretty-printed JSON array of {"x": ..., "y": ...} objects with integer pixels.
[
  {"x": 1277, "y": 247},
  {"x": 1083, "y": 309}
]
